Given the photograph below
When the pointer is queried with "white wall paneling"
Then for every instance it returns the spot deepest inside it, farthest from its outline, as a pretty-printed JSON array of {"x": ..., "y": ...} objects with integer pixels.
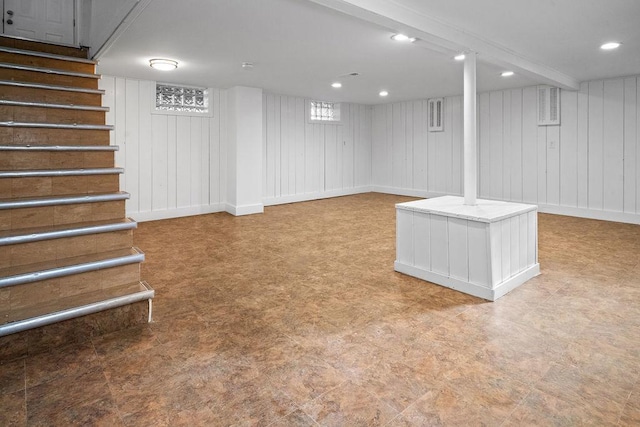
[
  {"x": 174, "y": 164},
  {"x": 304, "y": 161},
  {"x": 630, "y": 158},
  {"x": 613, "y": 135},
  {"x": 569, "y": 154},
  {"x": 407, "y": 159},
  {"x": 588, "y": 166},
  {"x": 595, "y": 145}
]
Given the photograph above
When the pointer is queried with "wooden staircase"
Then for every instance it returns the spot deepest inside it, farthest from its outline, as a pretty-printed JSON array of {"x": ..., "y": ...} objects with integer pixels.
[{"x": 65, "y": 242}]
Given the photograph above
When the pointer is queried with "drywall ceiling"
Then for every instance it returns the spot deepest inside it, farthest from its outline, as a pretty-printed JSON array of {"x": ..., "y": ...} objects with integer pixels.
[
  {"x": 564, "y": 34},
  {"x": 299, "y": 47}
]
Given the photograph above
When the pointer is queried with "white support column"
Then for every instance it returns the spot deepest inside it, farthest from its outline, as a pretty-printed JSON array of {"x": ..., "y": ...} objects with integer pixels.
[
  {"x": 470, "y": 130},
  {"x": 244, "y": 151}
]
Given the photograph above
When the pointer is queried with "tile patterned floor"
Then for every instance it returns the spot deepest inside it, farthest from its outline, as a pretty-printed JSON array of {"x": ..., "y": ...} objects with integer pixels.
[{"x": 296, "y": 318}]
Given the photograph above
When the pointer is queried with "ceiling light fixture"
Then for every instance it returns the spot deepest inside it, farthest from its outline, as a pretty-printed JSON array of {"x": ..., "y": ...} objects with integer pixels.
[
  {"x": 383, "y": 93},
  {"x": 163, "y": 64},
  {"x": 507, "y": 73},
  {"x": 610, "y": 46},
  {"x": 403, "y": 38},
  {"x": 247, "y": 65},
  {"x": 336, "y": 85},
  {"x": 459, "y": 57}
]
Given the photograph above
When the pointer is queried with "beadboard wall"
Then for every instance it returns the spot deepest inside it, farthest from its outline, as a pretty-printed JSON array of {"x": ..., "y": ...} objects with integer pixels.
[
  {"x": 588, "y": 166},
  {"x": 175, "y": 165},
  {"x": 407, "y": 159},
  {"x": 306, "y": 161}
]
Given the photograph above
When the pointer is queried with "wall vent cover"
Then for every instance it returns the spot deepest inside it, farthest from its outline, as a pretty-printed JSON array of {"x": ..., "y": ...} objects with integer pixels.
[
  {"x": 548, "y": 106},
  {"x": 436, "y": 115}
]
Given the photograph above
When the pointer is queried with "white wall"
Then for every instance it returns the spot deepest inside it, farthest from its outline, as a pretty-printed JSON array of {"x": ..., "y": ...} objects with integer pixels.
[
  {"x": 175, "y": 165},
  {"x": 589, "y": 166},
  {"x": 407, "y": 159},
  {"x": 305, "y": 161},
  {"x": 244, "y": 150}
]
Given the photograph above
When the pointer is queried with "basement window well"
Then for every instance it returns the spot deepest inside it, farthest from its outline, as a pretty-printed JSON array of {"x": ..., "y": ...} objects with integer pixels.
[
  {"x": 182, "y": 100},
  {"x": 325, "y": 112}
]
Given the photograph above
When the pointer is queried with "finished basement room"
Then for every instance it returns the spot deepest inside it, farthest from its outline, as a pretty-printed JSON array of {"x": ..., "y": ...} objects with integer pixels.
[{"x": 320, "y": 213}]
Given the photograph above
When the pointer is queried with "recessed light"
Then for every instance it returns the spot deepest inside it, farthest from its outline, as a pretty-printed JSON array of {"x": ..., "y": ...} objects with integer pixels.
[
  {"x": 403, "y": 38},
  {"x": 459, "y": 57},
  {"x": 163, "y": 64},
  {"x": 610, "y": 46},
  {"x": 383, "y": 93},
  {"x": 507, "y": 73},
  {"x": 336, "y": 85}
]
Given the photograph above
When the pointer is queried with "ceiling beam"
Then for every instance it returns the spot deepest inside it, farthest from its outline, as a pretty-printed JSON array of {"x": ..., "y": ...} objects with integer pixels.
[{"x": 444, "y": 37}]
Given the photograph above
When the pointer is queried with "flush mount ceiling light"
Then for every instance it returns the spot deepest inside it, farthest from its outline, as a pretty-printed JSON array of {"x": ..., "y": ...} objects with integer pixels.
[
  {"x": 459, "y": 57},
  {"x": 507, "y": 73},
  {"x": 403, "y": 38},
  {"x": 336, "y": 85},
  {"x": 610, "y": 46},
  {"x": 383, "y": 93},
  {"x": 163, "y": 64}
]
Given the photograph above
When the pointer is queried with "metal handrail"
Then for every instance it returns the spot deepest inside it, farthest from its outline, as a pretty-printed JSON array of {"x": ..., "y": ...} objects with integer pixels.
[
  {"x": 51, "y": 87},
  {"x": 61, "y": 200},
  {"x": 59, "y": 172},
  {"x": 50, "y": 105},
  {"x": 66, "y": 231},
  {"x": 67, "y": 270}
]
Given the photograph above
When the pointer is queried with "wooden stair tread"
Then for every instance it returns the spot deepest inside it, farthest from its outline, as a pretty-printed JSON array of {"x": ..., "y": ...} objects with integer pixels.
[
  {"x": 48, "y": 70},
  {"x": 44, "y": 266},
  {"x": 8, "y": 236},
  {"x": 51, "y": 87},
  {"x": 26, "y": 43},
  {"x": 32, "y": 173},
  {"x": 79, "y": 126},
  {"x": 32, "y": 147},
  {"x": 46, "y": 313},
  {"x": 46, "y": 55}
]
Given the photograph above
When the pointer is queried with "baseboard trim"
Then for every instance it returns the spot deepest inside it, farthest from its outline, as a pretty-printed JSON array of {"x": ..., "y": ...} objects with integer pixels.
[
  {"x": 624, "y": 217},
  {"x": 305, "y": 197},
  {"x": 467, "y": 287},
  {"x": 245, "y": 209},
  {"x": 628, "y": 218},
  {"x": 176, "y": 213},
  {"x": 410, "y": 192}
]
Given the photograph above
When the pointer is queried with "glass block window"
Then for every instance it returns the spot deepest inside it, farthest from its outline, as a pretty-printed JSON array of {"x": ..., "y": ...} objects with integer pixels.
[
  {"x": 181, "y": 98},
  {"x": 324, "y": 111}
]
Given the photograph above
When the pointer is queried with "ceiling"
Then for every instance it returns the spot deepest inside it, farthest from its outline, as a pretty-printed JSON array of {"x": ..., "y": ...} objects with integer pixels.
[{"x": 299, "y": 47}]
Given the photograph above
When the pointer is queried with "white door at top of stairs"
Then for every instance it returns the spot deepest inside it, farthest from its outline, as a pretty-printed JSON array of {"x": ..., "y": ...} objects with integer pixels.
[{"x": 46, "y": 20}]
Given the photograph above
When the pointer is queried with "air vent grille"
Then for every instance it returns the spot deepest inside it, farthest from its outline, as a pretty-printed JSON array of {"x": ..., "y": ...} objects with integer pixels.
[
  {"x": 548, "y": 106},
  {"x": 436, "y": 115}
]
